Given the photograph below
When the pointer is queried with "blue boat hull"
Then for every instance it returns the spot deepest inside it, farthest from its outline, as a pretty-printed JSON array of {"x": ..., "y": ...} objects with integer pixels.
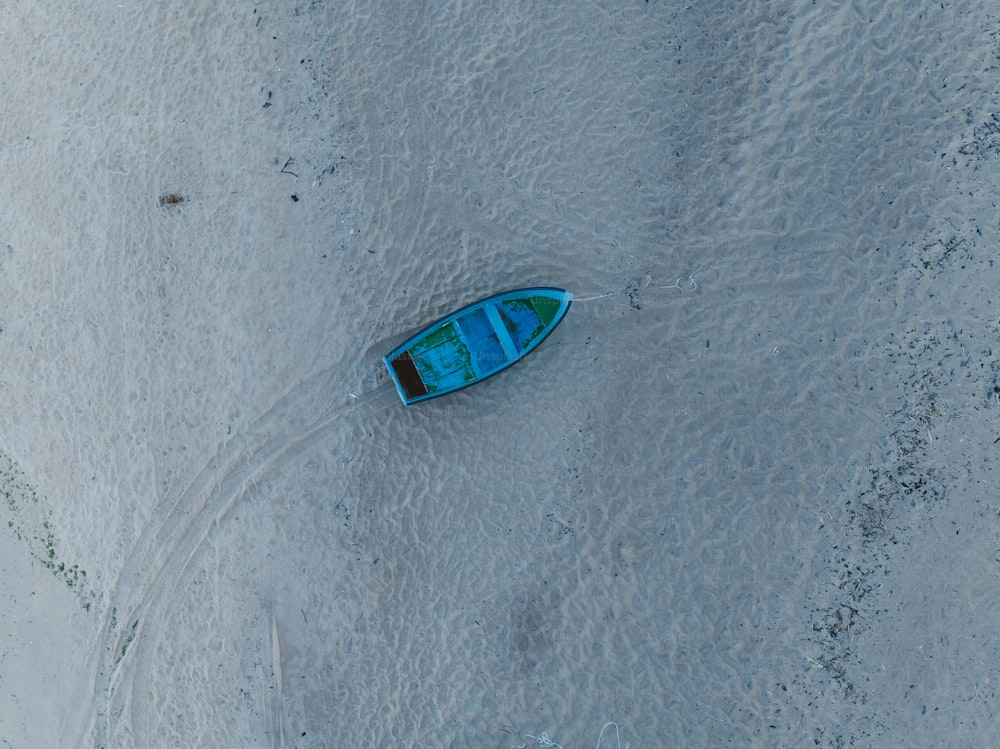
[{"x": 475, "y": 342}]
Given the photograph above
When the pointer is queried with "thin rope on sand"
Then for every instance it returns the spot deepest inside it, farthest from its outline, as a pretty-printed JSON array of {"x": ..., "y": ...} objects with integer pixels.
[
  {"x": 544, "y": 739},
  {"x": 689, "y": 284}
]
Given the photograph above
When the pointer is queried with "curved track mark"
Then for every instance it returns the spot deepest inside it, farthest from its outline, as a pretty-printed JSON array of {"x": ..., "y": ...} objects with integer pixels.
[{"x": 301, "y": 417}]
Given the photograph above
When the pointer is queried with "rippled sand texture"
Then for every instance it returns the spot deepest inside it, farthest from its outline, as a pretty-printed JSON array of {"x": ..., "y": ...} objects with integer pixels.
[{"x": 746, "y": 501}]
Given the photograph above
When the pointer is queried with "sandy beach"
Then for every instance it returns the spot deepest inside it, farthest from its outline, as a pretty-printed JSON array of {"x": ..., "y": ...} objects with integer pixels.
[{"x": 746, "y": 497}]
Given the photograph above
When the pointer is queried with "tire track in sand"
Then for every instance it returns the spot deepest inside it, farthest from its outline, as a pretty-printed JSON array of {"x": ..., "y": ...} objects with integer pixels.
[{"x": 304, "y": 415}]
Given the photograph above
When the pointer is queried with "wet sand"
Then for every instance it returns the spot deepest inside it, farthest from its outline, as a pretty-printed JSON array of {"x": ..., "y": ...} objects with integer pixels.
[{"x": 749, "y": 499}]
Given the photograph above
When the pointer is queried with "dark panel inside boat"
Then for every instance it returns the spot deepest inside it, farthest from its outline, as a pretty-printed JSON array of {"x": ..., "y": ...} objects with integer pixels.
[{"x": 408, "y": 376}]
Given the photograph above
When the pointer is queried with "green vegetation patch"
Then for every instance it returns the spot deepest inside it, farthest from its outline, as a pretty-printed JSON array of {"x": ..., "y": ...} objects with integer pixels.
[{"x": 28, "y": 520}]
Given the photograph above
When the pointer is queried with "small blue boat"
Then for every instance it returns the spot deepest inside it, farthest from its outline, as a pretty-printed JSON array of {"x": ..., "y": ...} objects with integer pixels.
[{"x": 475, "y": 342}]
